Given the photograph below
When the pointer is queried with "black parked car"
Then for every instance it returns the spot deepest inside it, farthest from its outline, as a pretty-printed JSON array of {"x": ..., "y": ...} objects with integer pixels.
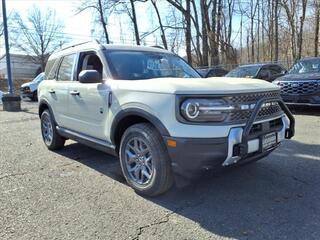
[
  {"x": 301, "y": 86},
  {"x": 212, "y": 72},
  {"x": 268, "y": 72}
]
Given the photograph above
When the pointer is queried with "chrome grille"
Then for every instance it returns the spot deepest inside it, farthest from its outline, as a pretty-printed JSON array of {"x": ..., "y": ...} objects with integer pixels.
[
  {"x": 265, "y": 112},
  {"x": 299, "y": 87}
]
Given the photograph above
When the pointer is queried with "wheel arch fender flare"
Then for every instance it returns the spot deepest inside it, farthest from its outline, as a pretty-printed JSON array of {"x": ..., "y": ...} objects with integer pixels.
[
  {"x": 44, "y": 104},
  {"x": 122, "y": 114}
]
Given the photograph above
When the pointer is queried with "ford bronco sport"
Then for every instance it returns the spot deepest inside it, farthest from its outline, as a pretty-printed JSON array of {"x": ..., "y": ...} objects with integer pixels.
[{"x": 150, "y": 108}]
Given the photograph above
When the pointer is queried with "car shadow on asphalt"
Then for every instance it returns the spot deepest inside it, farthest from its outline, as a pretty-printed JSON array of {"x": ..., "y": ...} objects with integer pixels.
[{"x": 277, "y": 197}]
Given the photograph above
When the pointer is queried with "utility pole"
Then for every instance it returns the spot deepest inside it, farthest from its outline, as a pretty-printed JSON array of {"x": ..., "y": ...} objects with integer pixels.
[
  {"x": 10, "y": 101},
  {"x": 6, "y": 41}
]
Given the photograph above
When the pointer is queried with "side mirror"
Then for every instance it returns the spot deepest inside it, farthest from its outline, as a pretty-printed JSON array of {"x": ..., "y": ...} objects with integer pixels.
[{"x": 90, "y": 76}]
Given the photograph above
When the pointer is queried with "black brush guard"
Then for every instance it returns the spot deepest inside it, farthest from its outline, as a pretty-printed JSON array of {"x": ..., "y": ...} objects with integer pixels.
[{"x": 289, "y": 133}]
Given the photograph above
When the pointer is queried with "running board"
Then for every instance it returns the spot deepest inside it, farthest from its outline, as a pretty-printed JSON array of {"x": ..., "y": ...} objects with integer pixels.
[{"x": 98, "y": 144}]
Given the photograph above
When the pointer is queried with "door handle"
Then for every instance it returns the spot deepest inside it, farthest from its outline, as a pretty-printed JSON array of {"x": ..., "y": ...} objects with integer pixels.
[
  {"x": 75, "y": 93},
  {"x": 52, "y": 91}
]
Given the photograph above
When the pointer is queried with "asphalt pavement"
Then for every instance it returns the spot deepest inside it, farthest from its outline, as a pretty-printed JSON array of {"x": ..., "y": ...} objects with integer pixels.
[{"x": 79, "y": 193}]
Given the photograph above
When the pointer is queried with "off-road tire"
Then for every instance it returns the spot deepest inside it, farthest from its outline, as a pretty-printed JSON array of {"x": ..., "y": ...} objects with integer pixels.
[
  {"x": 57, "y": 141},
  {"x": 161, "y": 179}
]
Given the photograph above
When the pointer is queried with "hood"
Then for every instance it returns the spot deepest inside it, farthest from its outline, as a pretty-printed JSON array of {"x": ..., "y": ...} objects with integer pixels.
[
  {"x": 215, "y": 85},
  {"x": 301, "y": 77},
  {"x": 29, "y": 84}
]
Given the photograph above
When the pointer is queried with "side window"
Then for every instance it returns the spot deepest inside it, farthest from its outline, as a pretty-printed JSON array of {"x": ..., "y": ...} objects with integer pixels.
[
  {"x": 264, "y": 73},
  {"x": 275, "y": 70},
  {"x": 51, "y": 69},
  {"x": 89, "y": 61},
  {"x": 66, "y": 68},
  {"x": 211, "y": 73}
]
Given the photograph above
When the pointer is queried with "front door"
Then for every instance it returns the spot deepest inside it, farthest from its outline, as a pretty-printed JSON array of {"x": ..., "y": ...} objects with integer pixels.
[{"x": 88, "y": 102}]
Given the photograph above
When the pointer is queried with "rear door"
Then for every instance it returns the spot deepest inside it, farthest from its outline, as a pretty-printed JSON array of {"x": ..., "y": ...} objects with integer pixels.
[
  {"x": 88, "y": 102},
  {"x": 60, "y": 89}
]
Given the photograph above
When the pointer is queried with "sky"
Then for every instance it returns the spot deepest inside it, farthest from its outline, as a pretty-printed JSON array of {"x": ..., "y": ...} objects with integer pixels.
[{"x": 80, "y": 27}]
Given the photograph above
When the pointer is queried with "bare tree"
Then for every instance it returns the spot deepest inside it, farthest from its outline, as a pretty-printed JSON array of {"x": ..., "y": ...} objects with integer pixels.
[
  {"x": 40, "y": 34},
  {"x": 253, "y": 12},
  {"x": 195, "y": 20},
  {"x": 205, "y": 23},
  {"x": 103, "y": 8},
  {"x": 1, "y": 28},
  {"x": 317, "y": 23},
  {"x": 163, "y": 35},
  {"x": 300, "y": 33},
  {"x": 276, "y": 30},
  {"x": 186, "y": 12},
  {"x": 134, "y": 21}
]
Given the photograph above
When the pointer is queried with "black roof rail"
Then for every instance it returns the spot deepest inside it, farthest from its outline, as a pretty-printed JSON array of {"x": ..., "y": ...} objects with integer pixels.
[
  {"x": 156, "y": 46},
  {"x": 78, "y": 44}
]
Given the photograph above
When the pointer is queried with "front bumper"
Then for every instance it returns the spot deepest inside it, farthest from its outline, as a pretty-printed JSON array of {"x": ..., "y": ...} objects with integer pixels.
[
  {"x": 193, "y": 156},
  {"x": 302, "y": 100},
  {"x": 26, "y": 95}
]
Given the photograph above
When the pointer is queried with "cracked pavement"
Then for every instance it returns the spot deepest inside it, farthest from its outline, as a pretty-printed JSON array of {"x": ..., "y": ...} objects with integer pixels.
[{"x": 79, "y": 193}]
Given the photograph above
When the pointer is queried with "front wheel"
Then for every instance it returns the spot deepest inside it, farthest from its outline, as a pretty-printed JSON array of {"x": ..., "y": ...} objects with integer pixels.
[
  {"x": 144, "y": 160},
  {"x": 50, "y": 135},
  {"x": 34, "y": 96}
]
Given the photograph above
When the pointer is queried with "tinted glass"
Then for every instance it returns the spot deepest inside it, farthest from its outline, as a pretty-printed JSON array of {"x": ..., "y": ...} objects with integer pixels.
[
  {"x": 136, "y": 65},
  {"x": 306, "y": 66},
  {"x": 264, "y": 72},
  {"x": 244, "y": 72},
  {"x": 39, "y": 78},
  {"x": 66, "y": 68},
  {"x": 276, "y": 70}
]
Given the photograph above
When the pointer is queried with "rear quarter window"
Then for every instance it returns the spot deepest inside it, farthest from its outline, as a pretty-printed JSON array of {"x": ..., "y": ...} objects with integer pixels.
[{"x": 51, "y": 69}]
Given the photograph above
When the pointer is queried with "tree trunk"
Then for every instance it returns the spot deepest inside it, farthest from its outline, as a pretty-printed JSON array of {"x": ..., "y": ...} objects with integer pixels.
[
  {"x": 276, "y": 31},
  {"x": 163, "y": 35},
  {"x": 214, "y": 53},
  {"x": 103, "y": 23},
  {"x": 198, "y": 34},
  {"x": 316, "y": 37},
  {"x": 135, "y": 24},
  {"x": 218, "y": 32},
  {"x": 205, "y": 20},
  {"x": 188, "y": 32},
  {"x": 300, "y": 36},
  {"x": 258, "y": 32}
]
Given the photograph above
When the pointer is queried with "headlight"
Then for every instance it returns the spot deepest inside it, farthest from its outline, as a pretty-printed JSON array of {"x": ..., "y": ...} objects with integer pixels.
[{"x": 205, "y": 110}]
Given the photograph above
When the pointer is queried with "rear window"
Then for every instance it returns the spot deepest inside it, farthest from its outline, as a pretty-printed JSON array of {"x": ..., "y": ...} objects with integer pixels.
[
  {"x": 51, "y": 69},
  {"x": 66, "y": 68}
]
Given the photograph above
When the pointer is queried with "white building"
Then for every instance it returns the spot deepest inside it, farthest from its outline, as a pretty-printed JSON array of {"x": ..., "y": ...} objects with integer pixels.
[{"x": 22, "y": 67}]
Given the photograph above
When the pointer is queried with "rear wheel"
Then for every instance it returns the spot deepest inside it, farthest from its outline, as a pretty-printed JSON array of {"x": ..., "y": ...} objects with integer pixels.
[
  {"x": 50, "y": 136},
  {"x": 144, "y": 160}
]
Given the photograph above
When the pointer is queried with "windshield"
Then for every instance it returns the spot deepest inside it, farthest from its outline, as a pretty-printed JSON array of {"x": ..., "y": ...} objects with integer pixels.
[
  {"x": 305, "y": 66},
  {"x": 244, "y": 72},
  {"x": 38, "y": 78},
  {"x": 136, "y": 65}
]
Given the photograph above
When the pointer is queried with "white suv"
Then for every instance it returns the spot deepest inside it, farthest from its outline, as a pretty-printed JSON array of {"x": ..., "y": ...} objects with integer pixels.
[{"x": 150, "y": 108}]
